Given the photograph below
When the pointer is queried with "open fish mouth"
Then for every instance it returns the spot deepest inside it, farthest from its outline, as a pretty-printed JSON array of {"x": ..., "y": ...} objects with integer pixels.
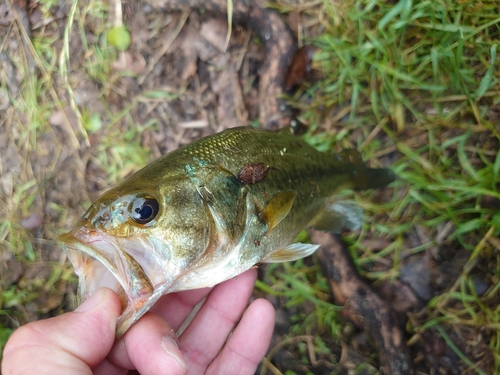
[{"x": 99, "y": 261}]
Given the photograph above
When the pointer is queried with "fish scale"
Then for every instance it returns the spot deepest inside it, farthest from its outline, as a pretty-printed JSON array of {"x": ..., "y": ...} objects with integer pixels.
[{"x": 210, "y": 210}]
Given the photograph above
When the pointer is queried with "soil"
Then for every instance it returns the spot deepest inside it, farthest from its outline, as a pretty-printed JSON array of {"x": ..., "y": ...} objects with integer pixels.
[{"x": 185, "y": 87}]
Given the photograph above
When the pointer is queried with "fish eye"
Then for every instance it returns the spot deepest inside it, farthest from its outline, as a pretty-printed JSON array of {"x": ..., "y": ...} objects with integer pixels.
[{"x": 144, "y": 210}]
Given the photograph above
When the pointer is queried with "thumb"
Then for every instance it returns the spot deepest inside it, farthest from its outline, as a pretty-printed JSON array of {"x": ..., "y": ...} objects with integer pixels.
[{"x": 70, "y": 343}]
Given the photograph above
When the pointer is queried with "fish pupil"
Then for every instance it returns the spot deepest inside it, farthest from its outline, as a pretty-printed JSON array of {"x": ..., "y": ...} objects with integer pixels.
[{"x": 146, "y": 212}]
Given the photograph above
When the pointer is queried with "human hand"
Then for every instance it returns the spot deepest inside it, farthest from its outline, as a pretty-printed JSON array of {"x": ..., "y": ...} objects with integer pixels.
[{"x": 82, "y": 342}]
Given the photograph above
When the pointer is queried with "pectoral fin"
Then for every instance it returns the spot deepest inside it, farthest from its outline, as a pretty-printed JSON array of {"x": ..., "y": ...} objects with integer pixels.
[
  {"x": 293, "y": 251},
  {"x": 277, "y": 208},
  {"x": 339, "y": 215}
]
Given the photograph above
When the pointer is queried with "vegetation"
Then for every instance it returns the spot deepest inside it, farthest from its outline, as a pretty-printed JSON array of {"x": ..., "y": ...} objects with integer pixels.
[{"x": 414, "y": 85}]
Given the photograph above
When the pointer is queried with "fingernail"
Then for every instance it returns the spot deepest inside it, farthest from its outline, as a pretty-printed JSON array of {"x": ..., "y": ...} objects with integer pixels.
[
  {"x": 172, "y": 349},
  {"x": 92, "y": 302}
]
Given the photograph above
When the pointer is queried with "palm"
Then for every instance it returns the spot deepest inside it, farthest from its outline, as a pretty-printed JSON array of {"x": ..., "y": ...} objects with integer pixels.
[{"x": 203, "y": 344}]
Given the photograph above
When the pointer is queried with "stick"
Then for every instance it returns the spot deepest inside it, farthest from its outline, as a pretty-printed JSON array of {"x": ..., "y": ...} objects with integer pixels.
[{"x": 362, "y": 305}]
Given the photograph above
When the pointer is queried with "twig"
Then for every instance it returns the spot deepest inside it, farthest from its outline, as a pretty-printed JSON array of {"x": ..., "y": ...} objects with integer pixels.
[{"x": 362, "y": 305}]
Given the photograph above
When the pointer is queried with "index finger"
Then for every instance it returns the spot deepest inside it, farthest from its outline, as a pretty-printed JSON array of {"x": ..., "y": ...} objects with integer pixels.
[{"x": 175, "y": 307}]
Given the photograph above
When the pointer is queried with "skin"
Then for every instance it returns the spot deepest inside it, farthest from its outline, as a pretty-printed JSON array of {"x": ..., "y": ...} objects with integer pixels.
[{"x": 82, "y": 342}]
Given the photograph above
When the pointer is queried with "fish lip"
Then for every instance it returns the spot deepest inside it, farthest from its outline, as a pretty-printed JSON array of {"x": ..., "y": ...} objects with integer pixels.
[{"x": 86, "y": 249}]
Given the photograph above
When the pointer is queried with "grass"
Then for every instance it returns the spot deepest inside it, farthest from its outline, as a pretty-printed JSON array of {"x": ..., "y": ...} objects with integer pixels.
[{"x": 414, "y": 85}]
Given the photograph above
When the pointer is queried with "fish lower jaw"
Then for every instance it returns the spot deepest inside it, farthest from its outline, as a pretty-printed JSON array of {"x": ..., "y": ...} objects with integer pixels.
[
  {"x": 94, "y": 275},
  {"x": 102, "y": 264}
]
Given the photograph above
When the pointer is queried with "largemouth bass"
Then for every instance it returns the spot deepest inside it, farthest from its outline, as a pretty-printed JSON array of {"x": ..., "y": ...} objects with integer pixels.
[{"x": 209, "y": 211}]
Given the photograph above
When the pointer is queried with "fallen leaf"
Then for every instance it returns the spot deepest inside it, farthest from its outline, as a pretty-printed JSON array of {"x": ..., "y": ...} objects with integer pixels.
[
  {"x": 299, "y": 67},
  {"x": 416, "y": 273},
  {"x": 33, "y": 221},
  {"x": 214, "y": 31},
  {"x": 489, "y": 202},
  {"x": 131, "y": 62},
  {"x": 400, "y": 296}
]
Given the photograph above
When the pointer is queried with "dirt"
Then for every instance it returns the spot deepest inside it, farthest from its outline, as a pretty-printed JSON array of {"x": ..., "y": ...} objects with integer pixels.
[{"x": 194, "y": 88}]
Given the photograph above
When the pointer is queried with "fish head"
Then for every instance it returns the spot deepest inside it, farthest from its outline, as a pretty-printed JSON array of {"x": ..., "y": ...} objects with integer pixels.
[{"x": 137, "y": 240}]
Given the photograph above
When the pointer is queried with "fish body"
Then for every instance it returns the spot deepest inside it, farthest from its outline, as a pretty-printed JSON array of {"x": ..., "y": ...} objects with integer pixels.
[{"x": 210, "y": 210}]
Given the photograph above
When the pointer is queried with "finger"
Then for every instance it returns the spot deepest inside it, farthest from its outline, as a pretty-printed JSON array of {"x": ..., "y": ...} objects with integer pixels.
[
  {"x": 175, "y": 307},
  {"x": 150, "y": 347},
  {"x": 205, "y": 336},
  {"x": 108, "y": 368},
  {"x": 249, "y": 342},
  {"x": 71, "y": 343}
]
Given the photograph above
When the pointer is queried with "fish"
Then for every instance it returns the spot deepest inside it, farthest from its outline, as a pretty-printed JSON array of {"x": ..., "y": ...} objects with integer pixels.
[{"x": 210, "y": 210}]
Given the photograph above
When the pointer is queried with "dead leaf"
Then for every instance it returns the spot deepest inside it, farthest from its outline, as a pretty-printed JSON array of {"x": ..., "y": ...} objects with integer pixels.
[
  {"x": 33, "y": 221},
  {"x": 194, "y": 47},
  {"x": 131, "y": 62},
  {"x": 214, "y": 31},
  {"x": 48, "y": 300},
  {"x": 56, "y": 118},
  {"x": 231, "y": 110},
  {"x": 489, "y": 202},
  {"x": 416, "y": 273},
  {"x": 11, "y": 269},
  {"x": 401, "y": 297},
  {"x": 299, "y": 67}
]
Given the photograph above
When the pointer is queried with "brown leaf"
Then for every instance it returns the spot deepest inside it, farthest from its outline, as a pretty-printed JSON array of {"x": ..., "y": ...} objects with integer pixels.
[
  {"x": 194, "y": 47},
  {"x": 401, "y": 297},
  {"x": 416, "y": 273},
  {"x": 215, "y": 31},
  {"x": 131, "y": 62},
  {"x": 300, "y": 66},
  {"x": 11, "y": 269},
  {"x": 489, "y": 202},
  {"x": 48, "y": 300},
  {"x": 33, "y": 221}
]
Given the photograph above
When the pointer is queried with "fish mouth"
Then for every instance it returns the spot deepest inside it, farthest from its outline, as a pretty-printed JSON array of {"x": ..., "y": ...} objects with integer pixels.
[{"x": 99, "y": 261}]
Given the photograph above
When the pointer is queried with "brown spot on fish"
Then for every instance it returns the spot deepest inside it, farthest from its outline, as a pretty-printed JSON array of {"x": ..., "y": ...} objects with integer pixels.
[
  {"x": 256, "y": 242},
  {"x": 253, "y": 173}
]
